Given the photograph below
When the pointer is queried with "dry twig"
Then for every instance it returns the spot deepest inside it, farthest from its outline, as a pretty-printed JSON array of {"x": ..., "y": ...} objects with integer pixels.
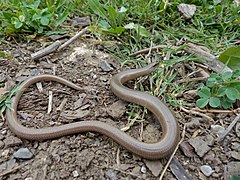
[
  {"x": 196, "y": 113},
  {"x": 50, "y": 102},
  {"x": 221, "y": 137},
  {"x": 216, "y": 110},
  {"x": 43, "y": 52},
  {"x": 72, "y": 39},
  {"x": 175, "y": 150}
]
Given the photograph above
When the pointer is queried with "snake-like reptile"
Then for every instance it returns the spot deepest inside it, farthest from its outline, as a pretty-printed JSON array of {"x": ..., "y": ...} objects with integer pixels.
[{"x": 160, "y": 149}]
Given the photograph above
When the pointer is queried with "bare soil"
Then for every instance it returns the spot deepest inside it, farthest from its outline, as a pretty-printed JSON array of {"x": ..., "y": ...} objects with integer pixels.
[{"x": 91, "y": 155}]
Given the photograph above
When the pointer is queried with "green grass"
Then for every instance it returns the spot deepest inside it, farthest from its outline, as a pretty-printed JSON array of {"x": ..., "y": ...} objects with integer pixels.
[{"x": 136, "y": 25}]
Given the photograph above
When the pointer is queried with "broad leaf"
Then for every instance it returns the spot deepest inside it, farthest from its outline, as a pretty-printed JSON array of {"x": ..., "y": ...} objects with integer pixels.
[
  {"x": 232, "y": 93},
  {"x": 214, "y": 102},
  {"x": 202, "y": 102},
  {"x": 231, "y": 57},
  {"x": 204, "y": 92}
]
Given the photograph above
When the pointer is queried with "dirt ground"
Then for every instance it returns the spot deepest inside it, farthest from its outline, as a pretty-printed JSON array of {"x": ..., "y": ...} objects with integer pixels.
[{"x": 91, "y": 155}]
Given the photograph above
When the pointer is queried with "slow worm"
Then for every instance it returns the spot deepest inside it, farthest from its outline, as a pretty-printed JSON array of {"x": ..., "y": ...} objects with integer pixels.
[{"x": 160, "y": 149}]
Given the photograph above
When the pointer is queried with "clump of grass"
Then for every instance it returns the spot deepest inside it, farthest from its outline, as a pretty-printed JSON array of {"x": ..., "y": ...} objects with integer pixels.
[{"x": 5, "y": 98}]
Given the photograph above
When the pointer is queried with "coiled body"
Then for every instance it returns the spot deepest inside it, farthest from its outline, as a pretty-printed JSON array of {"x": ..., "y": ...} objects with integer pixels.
[{"x": 164, "y": 147}]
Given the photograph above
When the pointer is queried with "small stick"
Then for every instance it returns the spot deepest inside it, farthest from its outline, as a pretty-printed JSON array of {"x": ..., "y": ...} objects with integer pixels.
[
  {"x": 118, "y": 158},
  {"x": 43, "y": 52},
  {"x": 196, "y": 113},
  {"x": 39, "y": 87},
  {"x": 175, "y": 150},
  {"x": 83, "y": 31},
  {"x": 50, "y": 102},
  {"x": 216, "y": 110},
  {"x": 221, "y": 137},
  {"x": 60, "y": 107}
]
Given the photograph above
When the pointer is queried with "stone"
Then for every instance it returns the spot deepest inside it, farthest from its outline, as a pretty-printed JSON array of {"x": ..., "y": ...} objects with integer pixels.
[
  {"x": 75, "y": 173},
  {"x": 111, "y": 174},
  {"x": 201, "y": 147},
  {"x": 206, "y": 170},
  {"x": 29, "y": 178},
  {"x": 12, "y": 141},
  {"x": 187, "y": 149},
  {"x": 188, "y": 10},
  {"x": 154, "y": 166},
  {"x": 143, "y": 169},
  {"x": 217, "y": 129},
  {"x": 235, "y": 155},
  {"x": 105, "y": 66},
  {"x": 23, "y": 153}
]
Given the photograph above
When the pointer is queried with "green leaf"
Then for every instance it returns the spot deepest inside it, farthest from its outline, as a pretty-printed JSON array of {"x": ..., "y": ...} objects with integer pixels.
[
  {"x": 97, "y": 8},
  {"x": 112, "y": 16},
  {"x": 226, "y": 76},
  {"x": 232, "y": 93},
  {"x": 231, "y": 57},
  {"x": 204, "y": 92},
  {"x": 104, "y": 25},
  {"x": 142, "y": 31},
  {"x": 201, "y": 103},
  {"x": 44, "y": 20},
  {"x": 120, "y": 15},
  {"x": 214, "y": 102},
  {"x": 211, "y": 82},
  {"x": 225, "y": 104},
  {"x": 117, "y": 30},
  {"x": 221, "y": 91},
  {"x": 21, "y": 18},
  {"x": 18, "y": 24}
]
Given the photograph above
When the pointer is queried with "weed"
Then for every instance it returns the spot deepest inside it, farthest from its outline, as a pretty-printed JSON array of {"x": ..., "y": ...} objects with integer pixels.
[
  {"x": 5, "y": 98},
  {"x": 220, "y": 90},
  {"x": 33, "y": 17}
]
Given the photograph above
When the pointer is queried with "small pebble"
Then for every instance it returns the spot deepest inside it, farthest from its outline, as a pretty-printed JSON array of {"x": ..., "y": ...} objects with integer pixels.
[
  {"x": 143, "y": 169},
  {"x": 75, "y": 173},
  {"x": 1, "y": 144},
  {"x": 111, "y": 174},
  {"x": 4, "y": 132},
  {"x": 5, "y": 152},
  {"x": 29, "y": 178},
  {"x": 217, "y": 129},
  {"x": 206, "y": 170},
  {"x": 105, "y": 66},
  {"x": 23, "y": 153}
]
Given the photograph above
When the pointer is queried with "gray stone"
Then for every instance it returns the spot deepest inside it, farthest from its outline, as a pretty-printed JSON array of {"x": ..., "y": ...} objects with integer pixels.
[
  {"x": 188, "y": 10},
  {"x": 206, "y": 170},
  {"x": 217, "y": 129},
  {"x": 143, "y": 169},
  {"x": 154, "y": 166},
  {"x": 105, "y": 66},
  {"x": 23, "y": 153},
  {"x": 201, "y": 147},
  {"x": 12, "y": 141},
  {"x": 111, "y": 174}
]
